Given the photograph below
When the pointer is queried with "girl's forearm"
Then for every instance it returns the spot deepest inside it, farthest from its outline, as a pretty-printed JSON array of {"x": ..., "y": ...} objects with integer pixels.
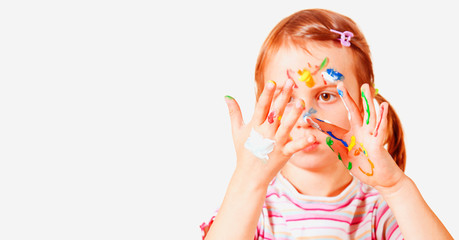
[
  {"x": 414, "y": 217},
  {"x": 238, "y": 215}
]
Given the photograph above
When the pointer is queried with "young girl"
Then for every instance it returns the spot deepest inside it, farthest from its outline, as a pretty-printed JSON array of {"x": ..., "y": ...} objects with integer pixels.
[{"x": 318, "y": 159}]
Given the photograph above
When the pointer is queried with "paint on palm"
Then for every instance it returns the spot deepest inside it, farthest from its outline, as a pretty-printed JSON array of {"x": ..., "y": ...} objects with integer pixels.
[{"x": 353, "y": 151}]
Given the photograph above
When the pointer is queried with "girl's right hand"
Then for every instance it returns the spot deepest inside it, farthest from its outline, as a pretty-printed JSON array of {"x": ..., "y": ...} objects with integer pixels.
[{"x": 270, "y": 126}]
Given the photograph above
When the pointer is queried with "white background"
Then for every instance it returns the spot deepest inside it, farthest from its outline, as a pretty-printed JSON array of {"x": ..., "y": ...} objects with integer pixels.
[{"x": 112, "y": 116}]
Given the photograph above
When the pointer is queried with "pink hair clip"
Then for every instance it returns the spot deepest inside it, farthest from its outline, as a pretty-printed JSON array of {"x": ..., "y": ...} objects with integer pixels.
[{"x": 345, "y": 37}]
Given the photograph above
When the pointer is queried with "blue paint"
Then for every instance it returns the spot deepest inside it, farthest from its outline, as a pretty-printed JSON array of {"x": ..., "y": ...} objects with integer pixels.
[
  {"x": 340, "y": 93},
  {"x": 309, "y": 113},
  {"x": 341, "y": 140},
  {"x": 335, "y": 75}
]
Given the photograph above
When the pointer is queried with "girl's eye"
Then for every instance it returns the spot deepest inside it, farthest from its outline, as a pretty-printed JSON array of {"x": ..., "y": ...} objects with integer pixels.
[{"x": 326, "y": 97}]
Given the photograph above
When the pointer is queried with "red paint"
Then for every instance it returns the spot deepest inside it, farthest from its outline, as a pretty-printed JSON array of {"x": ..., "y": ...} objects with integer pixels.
[{"x": 271, "y": 117}]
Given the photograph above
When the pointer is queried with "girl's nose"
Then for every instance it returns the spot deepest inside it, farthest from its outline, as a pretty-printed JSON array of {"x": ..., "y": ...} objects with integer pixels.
[{"x": 302, "y": 120}]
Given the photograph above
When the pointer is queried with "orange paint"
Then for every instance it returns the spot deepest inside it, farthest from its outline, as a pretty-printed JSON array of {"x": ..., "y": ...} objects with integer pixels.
[{"x": 372, "y": 167}]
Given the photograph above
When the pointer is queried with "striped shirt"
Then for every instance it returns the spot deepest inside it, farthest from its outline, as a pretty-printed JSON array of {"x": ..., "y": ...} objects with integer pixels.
[{"x": 358, "y": 212}]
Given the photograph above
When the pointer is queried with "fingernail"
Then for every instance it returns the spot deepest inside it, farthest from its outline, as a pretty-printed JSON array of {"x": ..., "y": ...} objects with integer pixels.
[
  {"x": 300, "y": 104},
  {"x": 271, "y": 84},
  {"x": 229, "y": 97}
]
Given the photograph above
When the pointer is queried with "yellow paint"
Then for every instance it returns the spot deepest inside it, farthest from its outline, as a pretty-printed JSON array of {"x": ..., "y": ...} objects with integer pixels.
[
  {"x": 364, "y": 150},
  {"x": 352, "y": 144},
  {"x": 305, "y": 76}
]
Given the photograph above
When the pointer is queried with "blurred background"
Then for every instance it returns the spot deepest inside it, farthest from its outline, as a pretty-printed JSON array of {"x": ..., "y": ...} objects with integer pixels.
[{"x": 113, "y": 123}]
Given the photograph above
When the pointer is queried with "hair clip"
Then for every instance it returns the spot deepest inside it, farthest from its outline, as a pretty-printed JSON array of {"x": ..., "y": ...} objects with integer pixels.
[{"x": 345, "y": 37}]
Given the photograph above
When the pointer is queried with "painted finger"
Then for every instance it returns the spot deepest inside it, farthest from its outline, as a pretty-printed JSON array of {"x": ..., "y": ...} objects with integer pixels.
[
  {"x": 280, "y": 102},
  {"x": 345, "y": 160},
  {"x": 283, "y": 132},
  {"x": 381, "y": 126},
  {"x": 235, "y": 113},
  {"x": 334, "y": 132},
  {"x": 368, "y": 107},
  {"x": 353, "y": 111},
  {"x": 264, "y": 103}
]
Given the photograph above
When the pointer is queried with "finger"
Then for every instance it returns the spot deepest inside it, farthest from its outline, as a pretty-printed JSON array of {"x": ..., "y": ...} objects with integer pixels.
[
  {"x": 280, "y": 103},
  {"x": 381, "y": 127},
  {"x": 339, "y": 149},
  {"x": 264, "y": 103},
  {"x": 368, "y": 106},
  {"x": 296, "y": 145},
  {"x": 354, "y": 112},
  {"x": 335, "y": 132},
  {"x": 235, "y": 113},
  {"x": 283, "y": 132}
]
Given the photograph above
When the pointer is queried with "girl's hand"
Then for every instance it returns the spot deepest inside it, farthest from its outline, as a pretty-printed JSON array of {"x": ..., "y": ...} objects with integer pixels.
[
  {"x": 269, "y": 122},
  {"x": 361, "y": 148}
]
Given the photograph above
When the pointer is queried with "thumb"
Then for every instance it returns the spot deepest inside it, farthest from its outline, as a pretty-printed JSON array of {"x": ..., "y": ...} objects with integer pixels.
[{"x": 235, "y": 113}]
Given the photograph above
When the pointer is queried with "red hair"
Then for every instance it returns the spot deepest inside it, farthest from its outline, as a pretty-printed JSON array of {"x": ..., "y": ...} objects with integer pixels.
[{"x": 314, "y": 25}]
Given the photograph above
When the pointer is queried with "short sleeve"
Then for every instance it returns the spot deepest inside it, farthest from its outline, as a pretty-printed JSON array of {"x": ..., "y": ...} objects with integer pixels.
[
  {"x": 205, "y": 226},
  {"x": 386, "y": 226},
  {"x": 259, "y": 233}
]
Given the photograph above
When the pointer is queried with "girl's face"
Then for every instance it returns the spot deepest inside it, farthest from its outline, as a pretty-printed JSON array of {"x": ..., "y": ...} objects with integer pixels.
[{"x": 322, "y": 96}]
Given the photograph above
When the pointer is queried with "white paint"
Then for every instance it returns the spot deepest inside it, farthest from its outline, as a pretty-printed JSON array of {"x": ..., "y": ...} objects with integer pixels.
[{"x": 258, "y": 145}]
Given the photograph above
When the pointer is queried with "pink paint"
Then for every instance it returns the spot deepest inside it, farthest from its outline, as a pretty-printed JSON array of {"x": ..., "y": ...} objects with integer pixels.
[{"x": 381, "y": 113}]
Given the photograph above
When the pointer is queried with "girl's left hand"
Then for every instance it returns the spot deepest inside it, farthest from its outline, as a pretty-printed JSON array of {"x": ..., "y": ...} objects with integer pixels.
[{"x": 361, "y": 148}]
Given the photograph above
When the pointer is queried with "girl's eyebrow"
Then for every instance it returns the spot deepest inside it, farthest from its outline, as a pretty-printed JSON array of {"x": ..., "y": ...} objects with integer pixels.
[{"x": 328, "y": 86}]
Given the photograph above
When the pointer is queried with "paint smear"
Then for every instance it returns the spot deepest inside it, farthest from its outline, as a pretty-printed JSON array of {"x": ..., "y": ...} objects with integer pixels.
[
  {"x": 323, "y": 120},
  {"x": 357, "y": 152},
  {"x": 324, "y": 63},
  {"x": 259, "y": 146},
  {"x": 368, "y": 107},
  {"x": 349, "y": 166},
  {"x": 381, "y": 113},
  {"x": 305, "y": 76},
  {"x": 290, "y": 74},
  {"x": 352, "y": 144},
  {"x": 364, "y": 150},
  {"x": 271, "y": 117},
  {"x": 339, "y": 157},
  {"x": 341, "y": 140},
  {"x": 332, "y": 76},
  {"x": 322, "y": 66},
  {"x": 341, "y": 94},
  {"x": 329, "y": 143},
  {"x": 309, "y": 113},
  {"x": 372, "y": 167}
]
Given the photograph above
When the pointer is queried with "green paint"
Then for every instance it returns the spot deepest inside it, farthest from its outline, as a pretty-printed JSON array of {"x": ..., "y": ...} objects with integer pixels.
[
  {"x": 329, "y": 143},
  {"x": 349, "y": 166},
  {"x": 368, "y": 107},
  {"x": 324, "y": 62},
  {"x": 229, "y": 97},
  {"x": 339, "y": 157}
]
